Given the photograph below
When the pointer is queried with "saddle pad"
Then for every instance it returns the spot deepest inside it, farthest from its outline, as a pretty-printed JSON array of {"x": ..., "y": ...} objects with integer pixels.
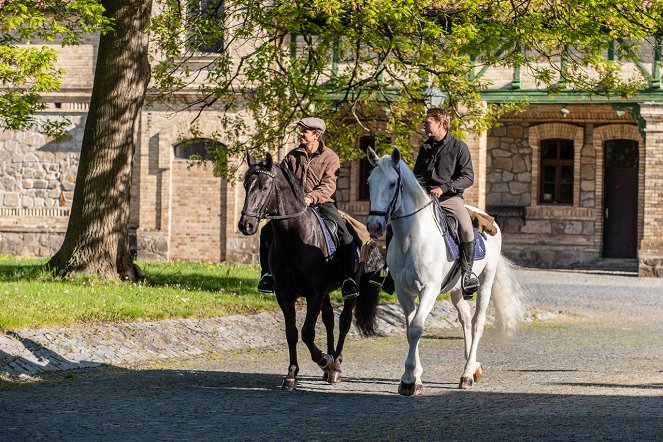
[
  {"x": 479, "y": 246},
  {"x": 331, "y": 247}
]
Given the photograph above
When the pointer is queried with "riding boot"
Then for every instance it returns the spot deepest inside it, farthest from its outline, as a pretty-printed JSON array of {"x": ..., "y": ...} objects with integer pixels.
[
  {"x": 469, "y": 281},
  {"x": 349, "y": 289},
  {"x": 266, "y": 283}
]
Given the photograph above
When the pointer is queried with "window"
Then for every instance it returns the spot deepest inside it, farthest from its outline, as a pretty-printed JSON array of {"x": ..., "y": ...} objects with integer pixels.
[
  {"x": 556, "y": 181},
  {"x": 364, "y": 168},
  {"x": 205, "y": 24},
  {"x": 199, "y": 149}
]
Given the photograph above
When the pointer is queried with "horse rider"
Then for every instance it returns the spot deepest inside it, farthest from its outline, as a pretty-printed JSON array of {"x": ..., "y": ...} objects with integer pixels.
[
  {"x": 444, "y": 168},
  {"x": 318, "y": 167}
]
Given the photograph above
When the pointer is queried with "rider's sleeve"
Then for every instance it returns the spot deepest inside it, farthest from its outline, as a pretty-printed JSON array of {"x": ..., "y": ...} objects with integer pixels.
[
  {"x": 323, "y": 191},
  {"x": 420, "y": 169},
  {"x": 465, "y": 176}
]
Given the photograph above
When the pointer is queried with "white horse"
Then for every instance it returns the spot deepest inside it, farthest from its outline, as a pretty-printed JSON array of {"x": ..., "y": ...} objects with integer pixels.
[{"x": 421, "y": 265}]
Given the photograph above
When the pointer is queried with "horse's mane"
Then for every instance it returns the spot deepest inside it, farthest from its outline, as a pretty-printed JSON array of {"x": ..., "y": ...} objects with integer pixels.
[
  {"x": 410, "y": 183},
  {"x": 295, "y": 183}
]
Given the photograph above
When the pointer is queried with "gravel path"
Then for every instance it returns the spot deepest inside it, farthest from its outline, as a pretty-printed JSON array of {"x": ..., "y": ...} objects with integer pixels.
[{"x": 594, "y": 372}]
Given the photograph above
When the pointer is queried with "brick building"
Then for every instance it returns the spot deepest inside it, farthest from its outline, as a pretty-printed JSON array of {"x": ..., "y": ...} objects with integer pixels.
[{"x": 573, "y": 180}]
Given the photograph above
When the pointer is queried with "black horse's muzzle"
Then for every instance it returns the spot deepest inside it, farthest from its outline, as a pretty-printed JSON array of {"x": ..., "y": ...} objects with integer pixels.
[{"x": 248, "y": 225}]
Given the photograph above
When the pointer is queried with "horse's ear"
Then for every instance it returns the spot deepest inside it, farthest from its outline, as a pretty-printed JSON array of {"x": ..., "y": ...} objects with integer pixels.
[
  {"x": 249, "y": 159},
  {"x": 268, "y": 161},
  {"x": 372, "y": 156},
  {"x": 395, "y": 156}
]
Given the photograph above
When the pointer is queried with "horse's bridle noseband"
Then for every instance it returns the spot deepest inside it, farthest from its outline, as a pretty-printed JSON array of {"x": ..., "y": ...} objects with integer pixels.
[
  {"x": 390, "y": 210},
  {"x": 260, "y": 214}
]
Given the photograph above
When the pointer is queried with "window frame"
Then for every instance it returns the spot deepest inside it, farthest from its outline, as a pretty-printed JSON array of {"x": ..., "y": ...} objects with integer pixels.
[{"x": 558, "y": 163}]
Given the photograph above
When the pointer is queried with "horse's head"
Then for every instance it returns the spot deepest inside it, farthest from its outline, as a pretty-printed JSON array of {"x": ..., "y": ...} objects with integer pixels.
[
  {"x": 259, "y": 199},
  {"x": 384, "y": 187}
]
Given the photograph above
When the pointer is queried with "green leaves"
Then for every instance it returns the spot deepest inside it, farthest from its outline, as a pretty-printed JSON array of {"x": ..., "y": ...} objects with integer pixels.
[
  {"x": 373, "y": 66},
  {"x": 27, "y": 65}
]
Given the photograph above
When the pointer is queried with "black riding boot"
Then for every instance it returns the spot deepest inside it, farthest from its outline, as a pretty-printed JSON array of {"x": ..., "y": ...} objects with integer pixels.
[
  {"x": 266, "y": 284},
  {"x": 349, "y": 288},
  {"x": 383, "y": 278},
  {"x": 469, "y": 281}
]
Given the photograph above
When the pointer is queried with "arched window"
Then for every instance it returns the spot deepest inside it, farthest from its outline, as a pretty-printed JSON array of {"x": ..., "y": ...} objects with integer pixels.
[
  {"x": 199, "y": 149},
  {"x": 556, "y": 177}
]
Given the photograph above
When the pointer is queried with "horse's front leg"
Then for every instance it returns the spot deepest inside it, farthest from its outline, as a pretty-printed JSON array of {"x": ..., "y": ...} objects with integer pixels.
[
  {"x": 313, "y": 305},
  {"x": 411, "y": 380},
  {"x": 328, "y": 321},
  {"x": 344, "y": 323},
  {"x": 473, "y": 369},
  {"x": 288, "y": 308}
]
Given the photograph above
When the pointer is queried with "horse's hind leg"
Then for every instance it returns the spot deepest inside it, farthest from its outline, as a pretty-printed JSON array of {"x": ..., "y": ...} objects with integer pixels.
[
  {"x": 328, "y": 321},
  {"x": 465, "y": 317},
  {"x": 473, "y": 369},
  {"x": 288, "y": 308}
]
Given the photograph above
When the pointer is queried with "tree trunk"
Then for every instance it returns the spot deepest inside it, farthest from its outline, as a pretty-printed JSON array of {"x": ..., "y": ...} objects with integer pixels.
[{"x": 97, "y": 241}]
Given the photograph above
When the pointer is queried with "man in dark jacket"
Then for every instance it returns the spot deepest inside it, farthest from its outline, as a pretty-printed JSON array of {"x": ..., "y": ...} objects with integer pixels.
[
  {"x": 444, "y": 168},
  {"x": 317, "y": 167}
]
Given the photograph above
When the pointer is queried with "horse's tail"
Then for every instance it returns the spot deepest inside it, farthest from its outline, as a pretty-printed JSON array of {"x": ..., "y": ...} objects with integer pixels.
[
  {"x": 367, "y": 304},
  {"x": 508, "y": 296}
]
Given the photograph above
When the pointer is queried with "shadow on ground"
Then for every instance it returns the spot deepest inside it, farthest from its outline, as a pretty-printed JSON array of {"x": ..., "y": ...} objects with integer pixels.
[{"x": 209, "y": 405}]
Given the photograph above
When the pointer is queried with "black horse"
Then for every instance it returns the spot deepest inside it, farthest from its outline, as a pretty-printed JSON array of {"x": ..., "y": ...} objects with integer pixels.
[{"x": 301, "y": 267}]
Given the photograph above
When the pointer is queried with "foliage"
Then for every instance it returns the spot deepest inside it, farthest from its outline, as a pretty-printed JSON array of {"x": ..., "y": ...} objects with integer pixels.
[
  {"x": 373, "y": 66},
  {"x": 29, "y": 29}
]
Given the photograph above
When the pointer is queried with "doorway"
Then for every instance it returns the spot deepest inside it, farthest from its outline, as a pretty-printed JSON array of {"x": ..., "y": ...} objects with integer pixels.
[{"x": 620, "y": 199}]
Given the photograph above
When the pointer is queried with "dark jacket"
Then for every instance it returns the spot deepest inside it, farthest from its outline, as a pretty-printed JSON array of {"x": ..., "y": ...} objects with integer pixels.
[
  {"x": 446, "y": 164},
  {"x": 318, "y": 171}
]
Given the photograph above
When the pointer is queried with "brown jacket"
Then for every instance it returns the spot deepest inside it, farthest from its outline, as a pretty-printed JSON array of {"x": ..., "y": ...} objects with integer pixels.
[{"x": 317, "y": 171}]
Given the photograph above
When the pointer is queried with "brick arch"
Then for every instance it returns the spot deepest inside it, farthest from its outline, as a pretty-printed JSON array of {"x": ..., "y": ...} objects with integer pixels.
[
  {"x": 555, "y": 130},
  {"x": 182, "y": 131},
  {"x": 618, "y": 132}
]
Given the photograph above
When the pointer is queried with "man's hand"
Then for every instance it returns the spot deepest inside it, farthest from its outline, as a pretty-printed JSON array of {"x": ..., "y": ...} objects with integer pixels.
[
  {"x": 308, "y": 200},
  {"x": 436, "y": 192}
]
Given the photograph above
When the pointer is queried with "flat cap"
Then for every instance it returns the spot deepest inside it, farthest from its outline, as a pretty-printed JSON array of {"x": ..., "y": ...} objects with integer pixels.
[{"x": 313, "y": 124}]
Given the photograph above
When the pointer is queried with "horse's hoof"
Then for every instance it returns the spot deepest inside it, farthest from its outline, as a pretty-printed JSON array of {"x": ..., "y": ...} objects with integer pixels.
[
  {"x": 325, "y": 376},
  {"x": 478, "y": 373},
  {"x": 334, "y": 377},
  {"x": 412, "y": 389},
  {"x": 289, "y": 384},
  {"x": 465, "y": 383},
  {"x": 326, "y": 362}
]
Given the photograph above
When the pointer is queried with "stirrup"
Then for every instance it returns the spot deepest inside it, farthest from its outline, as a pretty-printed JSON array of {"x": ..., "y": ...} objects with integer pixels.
[
  {"x": 349, "y": 289},
  {"x": 469, "y": 284},
  {"x": 266, "y": 284}
]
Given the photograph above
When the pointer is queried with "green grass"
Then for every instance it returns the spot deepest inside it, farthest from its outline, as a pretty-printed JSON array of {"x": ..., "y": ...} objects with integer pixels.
[{"x": 31, "y": 297}]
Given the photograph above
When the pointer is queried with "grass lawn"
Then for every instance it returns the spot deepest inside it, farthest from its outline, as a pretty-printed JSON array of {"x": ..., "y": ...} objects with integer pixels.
[{"x": 31, "y": 297}]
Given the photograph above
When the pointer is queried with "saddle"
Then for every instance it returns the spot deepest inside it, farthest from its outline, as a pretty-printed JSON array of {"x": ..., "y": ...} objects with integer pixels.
[
  {"x": 366, "y": 252},
  {"x": 449, "y": 227},
  {"x": 330, "y": 230}
]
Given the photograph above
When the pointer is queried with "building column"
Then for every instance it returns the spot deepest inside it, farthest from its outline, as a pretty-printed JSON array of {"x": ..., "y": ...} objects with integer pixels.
[
  {"x": 478, "y": 146},
  {"x": 650, "y": 253}
]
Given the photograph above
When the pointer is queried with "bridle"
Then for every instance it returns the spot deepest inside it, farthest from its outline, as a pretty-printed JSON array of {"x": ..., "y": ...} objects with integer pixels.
[
  {"x": 261, "y": 213},
  {"x": 388, "y": 215}
]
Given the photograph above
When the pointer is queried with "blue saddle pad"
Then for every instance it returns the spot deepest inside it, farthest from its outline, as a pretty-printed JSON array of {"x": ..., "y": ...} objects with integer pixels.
[
  {"x": 479, "y": 245},
  {"x": 452, "y": 244},
  {"x": 331, "y": 247}
]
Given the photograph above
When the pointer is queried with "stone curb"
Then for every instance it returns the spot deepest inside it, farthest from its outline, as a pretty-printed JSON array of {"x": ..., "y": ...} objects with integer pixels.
[{"x": 34, "y": 351}]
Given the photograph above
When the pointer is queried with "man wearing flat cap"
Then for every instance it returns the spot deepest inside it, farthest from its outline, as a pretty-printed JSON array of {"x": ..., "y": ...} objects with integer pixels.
[{"x": 318, "y": 168}]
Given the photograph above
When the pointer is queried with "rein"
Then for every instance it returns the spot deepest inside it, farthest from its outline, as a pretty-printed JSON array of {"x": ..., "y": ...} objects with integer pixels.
[
  {"x": 388, "y": 215},
  {"x": 260, "y": 214}
]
